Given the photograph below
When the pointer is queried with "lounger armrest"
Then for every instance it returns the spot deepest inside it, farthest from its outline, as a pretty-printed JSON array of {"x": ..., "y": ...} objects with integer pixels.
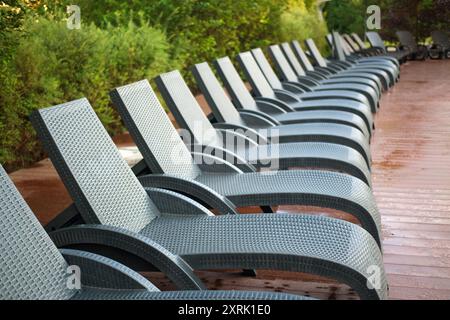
[
  {"x": 405, "y": 47},
  {"x": 228, "y": 134},
  {"x": 392, "y": 49},
  {"x": 308, "y": 81},
  {"x": 212, "y": 164},
  {"x": 101, "y": 272},
  {"x": 267, "y": 107},
  {"x": 140, "y": 168},
  {"x": 295, "y": 87},
  {"x": 175, "y": 203},
  {"x": 423, "y": 46},
  {"x": 209, "y": 154},
  {"x": 437, "y": 46},
  {"x": 198, "y": 191},
  {"x": 131, "y": 243},
  {"x": 335, "y": 67},
  {"x": 318, "y": 75},
  {"x": 68, "y": 217},
  {"x": 326, "y": 70},
  {"x": 280, "y": 104},
  {"x": 258, "y": 119},
  {"x": 246, "y": 131},
  {"x": 286, "y": 96}
]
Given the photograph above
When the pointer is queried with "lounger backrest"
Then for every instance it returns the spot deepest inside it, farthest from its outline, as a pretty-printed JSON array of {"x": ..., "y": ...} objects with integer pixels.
[
  {"x": 101, "y": 183},
  {"x": 236, "y": 87},
  {"x": 352, "y": 44},
  {"x": 375, "y": 40},
  {"x": 186, "y": 110},
  {"x": 359, "y": 41},
  {"x": 315, "y": 53},
  {"x": 290, "y": 57},
  {"x": 31, "y": 266},
  {"x": 441, "y": 38},
  {"x": 281, "y": 63},
  {"x": 152, "y": 130},
  {"x": 301, "y": 55},
  {"x": 215, "y": 95},
  {"x": 407, "y": 39},
  {"x": 255, "y": 76},
  {"x": 329, "y": 39},
  {"x": 340, "y": 47},
  {"x": 266, "y": 68}
]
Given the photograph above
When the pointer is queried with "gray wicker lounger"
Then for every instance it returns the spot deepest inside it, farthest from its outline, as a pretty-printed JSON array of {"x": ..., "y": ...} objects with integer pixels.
[
  {"x": 252, "y": 69},
  {"x": 308, "y": 154},
  {"x": 346, "y": 57},
  {"x": 360, "y": 49},
  {"x": 31, "y": 267},
  {"x": 322, "y": 71},
  {"x": 107, "y": 193},
  {"x": 346, "y": 53},
  {"x": 225, "y": 111},
  {"x": 359, "y": 54},
  {"x": 262, "y": 88},
  {"x": 296, "y": 87},
  {"x": 344, "y": 68},
  {"x": 210, "y": 184},
  {"x": 189, "y": 116},
  {"x": 313, "y": 110},
  {"x": 441, "y": 43},
  {"x": 289, "y": 67},
  {"x": 408, "y": 42},
  {"x": 378, "y": 43}
]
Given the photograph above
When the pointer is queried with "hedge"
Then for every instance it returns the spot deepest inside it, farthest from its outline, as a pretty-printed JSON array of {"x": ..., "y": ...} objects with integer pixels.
[{"x": 44, "y": 63}]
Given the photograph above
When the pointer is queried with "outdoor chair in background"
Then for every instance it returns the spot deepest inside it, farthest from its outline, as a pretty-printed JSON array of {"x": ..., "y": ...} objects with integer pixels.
[
  {"x": 408, "y": 42},
  {"x": 286, "y": 108},
  {"x": 376, "y": 42},
  {"x": 288, "y": 92},
  {"x": 441, "y": 44},
  {"x": 288, "y": 66},
  {"x": 344, "y": 55},
  {"x": 343, "y": 67},
  {"x": 323, "y": 72},
  {"x": 323, "y": 90},
  {"x": 301, "y": 150}
]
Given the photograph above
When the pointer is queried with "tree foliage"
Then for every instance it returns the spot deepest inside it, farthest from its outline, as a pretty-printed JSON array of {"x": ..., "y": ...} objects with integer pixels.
[{"x": 418, "y": 16}]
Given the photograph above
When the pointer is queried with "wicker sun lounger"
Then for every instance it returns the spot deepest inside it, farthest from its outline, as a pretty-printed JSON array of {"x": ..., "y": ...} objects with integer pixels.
[
  {"x": 32, "y": 268},
  {"x": 141, "y": 110},
  {"x": 346, "y": 68},
  {"x": 286, "y": 109},
  {"x": 377, "y": 43},
  {"x": 190, "y": 116},
  {"x": 109, "y": 196},
  {"x": 308, "y": 154},
  {"x": 321, "y": 71}
]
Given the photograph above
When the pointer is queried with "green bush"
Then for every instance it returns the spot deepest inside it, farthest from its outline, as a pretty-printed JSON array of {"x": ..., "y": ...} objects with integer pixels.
[
  {"x": 346, "y": 16},
  {"x": 44, "y": 63},
  {"x": 53, "y": 64},
  {"x": 301, "y": 24}
]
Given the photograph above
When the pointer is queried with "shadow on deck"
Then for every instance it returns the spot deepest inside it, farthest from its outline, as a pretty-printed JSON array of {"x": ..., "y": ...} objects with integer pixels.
[{"x": 411, "y": 181}]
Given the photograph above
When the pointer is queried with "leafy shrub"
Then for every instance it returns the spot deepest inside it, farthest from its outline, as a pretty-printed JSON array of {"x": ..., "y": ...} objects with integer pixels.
[
  {"x": 123, "y": 41},
  {"x": 346, "y": 16},
  {"x": 53, "y": 64},
  {"x": 301, "y": 24}
]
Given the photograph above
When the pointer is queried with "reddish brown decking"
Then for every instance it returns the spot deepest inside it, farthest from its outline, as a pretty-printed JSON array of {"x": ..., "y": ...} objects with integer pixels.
[{"x": 411, "y": 180}]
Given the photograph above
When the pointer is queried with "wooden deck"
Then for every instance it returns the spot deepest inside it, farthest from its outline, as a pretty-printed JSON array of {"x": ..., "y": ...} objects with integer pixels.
[{"x": 411, "y": 181}]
